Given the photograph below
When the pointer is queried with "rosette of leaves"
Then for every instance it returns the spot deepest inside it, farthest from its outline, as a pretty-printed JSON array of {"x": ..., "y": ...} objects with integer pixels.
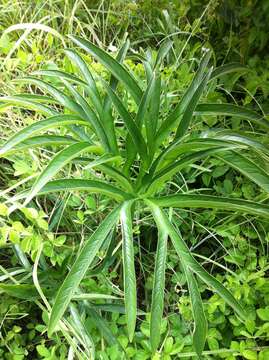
[{"x": 136, "y": 154}]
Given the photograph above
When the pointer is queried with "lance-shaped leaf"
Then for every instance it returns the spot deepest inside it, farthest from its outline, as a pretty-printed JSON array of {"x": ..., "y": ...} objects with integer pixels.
[
  {"x": 37, "y": 127},
  {"x": 247, "y": 168},
  {"x": 186, "y": 257},
  {"x": 112, "y": 65},
  {"x": 231, "y": 110},
  {"x": 85, "y": 71},
  {"x": 56, "y": 164},
  {"x": 227, "y": 69},
  {"x": 40, "y": 141},
  {"x": 200, "y": 322},
  {"x": 79, "y": 268},
  {"x": 129, "y": 278},
  {"x": 91, "y": 186},
  {"x": 151, "y": 97},
  {"x": 158, "y": 290},
  {"x": 212, "y": 202},
  {"x": 132, "y": 127},
  {"x": 168, "y": 171},
  {"x": 188, "y": 113},
  {"x": 61, "y": 74},
  {"x": 60, "y": 96},
  {"x": 26, "y": 103},
  {"x": 90, "y": 115},
  {"x": 176, "y": 113},
  {"x": 163, "y": 51}
]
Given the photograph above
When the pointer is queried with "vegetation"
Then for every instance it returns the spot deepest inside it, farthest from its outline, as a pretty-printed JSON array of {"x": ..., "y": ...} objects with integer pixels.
[{"x": 134, "y": 206}]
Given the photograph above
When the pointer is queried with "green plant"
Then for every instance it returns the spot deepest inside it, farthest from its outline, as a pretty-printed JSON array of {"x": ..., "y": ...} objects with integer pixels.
[{"x": 132, "y": 158}]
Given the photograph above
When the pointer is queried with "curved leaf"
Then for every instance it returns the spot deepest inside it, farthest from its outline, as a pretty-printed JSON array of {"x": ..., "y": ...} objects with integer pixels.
[
  {"x": 227, "y": 69},
  {"x": 212, "y": 202},
  {"x": 158, "y": 290},
  {"x": 60, "y": 96},
  {"x": 55, "y": 165},
  {"x": 189, "y": 262},
  {"x": 52, "y": 122},
  {"x": 112, "y": 65},
  {"x": 79, "y": 268},
  {"x": 188, "y": 113},
  {"x": 231, "y": 110},
  {"x": 247, "y": 168},
  {"x": 200, "y": 322},
  {"x": 23, "y": 102},
  {"x": 129, "y": 278},
  {"x": 42, "y": 140},
  {"x": 93, "y": 91}
]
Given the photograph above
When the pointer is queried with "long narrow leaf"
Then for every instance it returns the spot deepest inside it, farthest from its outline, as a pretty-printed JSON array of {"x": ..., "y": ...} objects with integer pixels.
[
  {"x": 212, "y": 202},
  {"x": 189, "y": 262},
  {"x": 85, "y": 71},
  {"x": 200, "y": 322},
  {"x": 232, "y": 110},
  {"x": 112, "y": 65},
  {"x": 133, "y": 129},
  {"x": 188, "y": 113},
  {"x": 79, "y": 268},
  {"x": 20, "y": 102},
  {"x": 176, "y": 113},
  {"x": 49, "y": 123},
  {"x": 91, "y": 186},
  {"x": 56, "y": 164},
  {"x": 129, "y": 278},
  {"x": 227, "y": 69},
  {"x": 158, "y": 290},
  {"x": 247, "y": 168}
]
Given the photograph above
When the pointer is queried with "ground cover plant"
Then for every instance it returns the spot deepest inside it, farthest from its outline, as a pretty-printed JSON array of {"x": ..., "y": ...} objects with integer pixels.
[{"x": 133, "y": 217}]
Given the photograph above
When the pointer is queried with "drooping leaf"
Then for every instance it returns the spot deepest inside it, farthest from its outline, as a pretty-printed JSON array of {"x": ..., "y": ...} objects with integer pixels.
[
  {"x": 200, "y": 322},
  {"x": 232, "y": 110},
  {"x": 79, "y": 268},
  {"x": 129, "y": 278},
  {"x": 49, "y": 123},
  {"x": 112, "y": 65},
  {"x": 186, "y": 257},
  {"x": 212, "y": 202},
  {"x": 246, "y": 167},
  {"x": 158, "y": 290},
  {"x": 227, "y": 69},
  {"x": 55, "y": 165}
]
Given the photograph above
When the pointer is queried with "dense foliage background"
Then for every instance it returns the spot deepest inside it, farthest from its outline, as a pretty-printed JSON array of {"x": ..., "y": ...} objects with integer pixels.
[{"x": 231, "y": 246}]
